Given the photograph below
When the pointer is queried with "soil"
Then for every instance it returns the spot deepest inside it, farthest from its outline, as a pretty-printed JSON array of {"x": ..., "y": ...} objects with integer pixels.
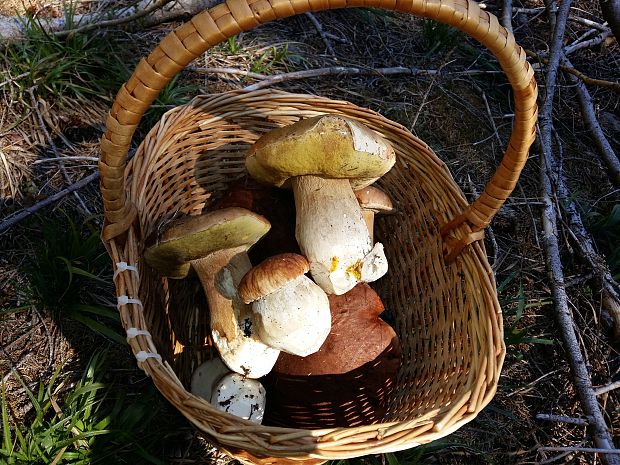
[{"x": 466, "y": 120}]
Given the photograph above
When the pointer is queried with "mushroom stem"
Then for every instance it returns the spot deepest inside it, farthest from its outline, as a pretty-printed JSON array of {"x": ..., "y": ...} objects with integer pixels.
[
  {"x": 331, "y": 231},
  {"x": 221, "y": 309},
  {"x": 231, "y": 319},
  {"x": 369, "y": 218}
]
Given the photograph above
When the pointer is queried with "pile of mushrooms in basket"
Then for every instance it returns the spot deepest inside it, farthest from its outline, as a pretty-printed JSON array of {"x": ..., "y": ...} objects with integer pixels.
[{"x": 296, "y": 325}]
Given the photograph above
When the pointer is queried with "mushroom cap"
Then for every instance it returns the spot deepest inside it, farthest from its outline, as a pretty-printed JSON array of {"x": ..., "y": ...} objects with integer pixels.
[
  {"x": 374, "y": 199},
  {"x": 329, "y": 146},
  {"x": 239, "y": 396},
  {"x": 195, "y": 237},
  {"x": 206, "y": 376},
  {"x": 271, "y": 275}
]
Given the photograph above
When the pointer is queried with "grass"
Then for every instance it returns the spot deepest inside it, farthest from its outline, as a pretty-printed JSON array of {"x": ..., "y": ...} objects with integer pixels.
[
  {"x": 605, "y": 228},
  {"x": 65, "y": 271},
  {"x": 275, "y": 56},
  {"x": 80, "y": 67},
  {"x": 514, "y": 306},
  {"x": 439, "y": 36},
  {"x": 173, "y": 95},
  {"x": 90, "y": 422},
  {"x": 417, "y": 456}
]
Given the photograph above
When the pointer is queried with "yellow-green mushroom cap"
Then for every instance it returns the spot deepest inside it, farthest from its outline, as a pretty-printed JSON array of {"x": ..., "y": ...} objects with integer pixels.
[
  {"x": 328, "y": 146},
  {"x": 195, "y": 237}
]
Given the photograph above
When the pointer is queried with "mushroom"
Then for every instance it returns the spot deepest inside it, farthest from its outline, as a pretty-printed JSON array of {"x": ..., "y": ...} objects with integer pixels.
[
  {"x": 206, "y": 376},
  {"x": 323, "y": 159},
  {"x": 372, "y": 201},
  {"x": 240, "y": 396},
  {"x": 215, "y": 245},
  {"x": 349, "y": 380},
  {"x": 292, "y": 311}
]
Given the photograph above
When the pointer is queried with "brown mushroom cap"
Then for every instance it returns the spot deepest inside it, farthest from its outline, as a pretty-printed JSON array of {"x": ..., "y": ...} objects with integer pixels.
[
  {"x": 328, "y": 146},
  {"x": 270, "y": 275},
  {"x": 195, "y": 237},
  {"x": 374, "y": 199}
]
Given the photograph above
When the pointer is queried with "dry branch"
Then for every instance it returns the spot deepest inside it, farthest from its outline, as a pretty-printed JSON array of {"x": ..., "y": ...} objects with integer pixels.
[
  {"x": 601, "y": 142},
  {"x": 604, "y": 389},
  {"x": 151, "y": 12},
  {"x": 26, "y": 212},
  {"x": 319, "y": 27},
  {"x": 581, "y": 377},
  {"x": 562, "y": 419},
  {"x": 349, "y": 71}
]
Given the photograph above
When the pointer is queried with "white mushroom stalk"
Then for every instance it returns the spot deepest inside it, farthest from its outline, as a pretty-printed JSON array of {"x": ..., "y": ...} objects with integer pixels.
[{"x": 333, "y": 235}]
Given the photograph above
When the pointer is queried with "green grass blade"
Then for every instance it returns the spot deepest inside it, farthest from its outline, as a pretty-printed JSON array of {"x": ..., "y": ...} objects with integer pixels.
[
  {"x": 99, "y": 328},
  {"x": 105, "y": 312},
  {"x": 6, "y": 429}
]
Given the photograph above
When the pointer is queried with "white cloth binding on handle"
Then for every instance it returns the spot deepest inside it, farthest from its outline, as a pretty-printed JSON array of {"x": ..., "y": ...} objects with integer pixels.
[
  {"x": 143, "y": 355},
  {"x": 133, "y": 332},
  {"x": 124, "y": 300},
  {"x": 123, "y": 266}
]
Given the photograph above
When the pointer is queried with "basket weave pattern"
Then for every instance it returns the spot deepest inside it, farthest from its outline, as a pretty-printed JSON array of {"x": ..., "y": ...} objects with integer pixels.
[{"x": 440, "y": 287}]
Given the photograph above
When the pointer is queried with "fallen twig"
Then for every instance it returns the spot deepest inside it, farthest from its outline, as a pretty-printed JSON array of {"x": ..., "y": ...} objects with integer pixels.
[
  {"x": 506, "y": 18},
  {"x": 26, "y": 212},
  {"x": 562, "y": 419},
  {"x": 149, "y": 11},
  {"x": 348, "y": 71},
  {"x": 63, "y": 159},
  {"x": 615, "y": 86},
  {"x": 587, "y": 43},
  {"x": 603, "y": 389},
  {"x": 581, "y": 377},
  {"x": 141, "y": 10},
  {"x": 572, "y": 18},
  {"x": 319, "y": 27},
  {"x": 579, "y": 449},
  {"x": 587, "y": 111}
]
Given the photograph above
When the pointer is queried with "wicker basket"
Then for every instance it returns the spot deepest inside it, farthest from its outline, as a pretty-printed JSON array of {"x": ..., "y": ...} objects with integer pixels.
[{"x": 439, "y": 287}]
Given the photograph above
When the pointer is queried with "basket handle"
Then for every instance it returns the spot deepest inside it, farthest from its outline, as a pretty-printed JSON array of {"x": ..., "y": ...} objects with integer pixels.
[{"x": 225, "y": 20}]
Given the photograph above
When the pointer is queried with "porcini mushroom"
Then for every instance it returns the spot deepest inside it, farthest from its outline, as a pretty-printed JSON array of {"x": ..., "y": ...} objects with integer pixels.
[
  {"x": 292, "y": 311},
  {"x": 212, "y": 243},
  {"x": 240, "y": 396},
  {"x": 372, "y": 201},
  {"x": 347, "y": 382},
  {"x": 323, "y": 159}
]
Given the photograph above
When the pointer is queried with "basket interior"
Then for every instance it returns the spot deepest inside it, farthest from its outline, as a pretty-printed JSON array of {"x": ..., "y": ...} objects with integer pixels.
[{"x": 447, "y": 316}]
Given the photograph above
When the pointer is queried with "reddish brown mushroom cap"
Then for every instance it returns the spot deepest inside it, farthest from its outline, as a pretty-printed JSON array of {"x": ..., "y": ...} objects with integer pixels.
[
  {"x": 374, "y": 199},
  {"x": 271, "y": 275}
]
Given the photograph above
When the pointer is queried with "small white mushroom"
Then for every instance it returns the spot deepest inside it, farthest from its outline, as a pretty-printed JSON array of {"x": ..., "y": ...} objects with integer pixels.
[
  {"x": 240, "y": 396},
  {"x": 292, "y": 312},
  {"x": 323, "y": 159},
  {"x": 206, "y": 376}
]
